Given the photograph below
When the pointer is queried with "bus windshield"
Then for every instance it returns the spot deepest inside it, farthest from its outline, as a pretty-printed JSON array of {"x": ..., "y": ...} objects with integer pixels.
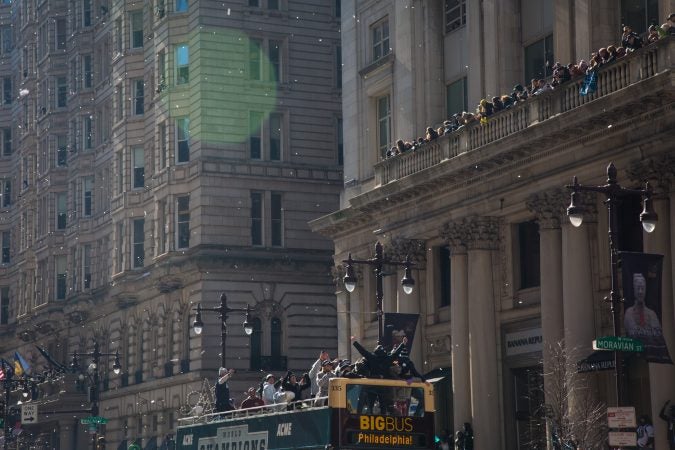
[{"x": 385, "y": 400}]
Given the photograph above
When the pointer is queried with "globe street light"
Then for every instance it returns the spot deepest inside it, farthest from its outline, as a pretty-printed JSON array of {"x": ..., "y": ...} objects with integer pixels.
[
  {"x": 379, "y": 261},
  {"x": 223, "y": 310}
]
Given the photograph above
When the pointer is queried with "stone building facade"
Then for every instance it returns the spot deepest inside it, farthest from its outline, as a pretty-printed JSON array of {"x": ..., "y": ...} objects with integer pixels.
[
  {"x": 154, "y": 155},
  {"x": 502, "y": 276}
]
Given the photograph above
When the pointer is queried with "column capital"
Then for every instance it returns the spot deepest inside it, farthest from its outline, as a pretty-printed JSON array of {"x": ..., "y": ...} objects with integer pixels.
[
  {"x": 549, "y": 207},
  {"x": 660, "y": 171},
  {"x": 483, "y": 233},
  {"x": 456, "y": 235},
  {"x": 399, "y": 248}
]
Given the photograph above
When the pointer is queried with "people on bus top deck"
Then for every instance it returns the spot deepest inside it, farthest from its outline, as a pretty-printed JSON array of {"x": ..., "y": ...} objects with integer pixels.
[
  {"x": 223, "y": 390},
  {"x": 313, "y": 372}
]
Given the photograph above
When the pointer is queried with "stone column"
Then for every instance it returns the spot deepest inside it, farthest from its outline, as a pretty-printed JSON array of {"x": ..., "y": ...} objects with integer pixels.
[
  {"x": 548, "y": 207},
  {"x": 455, "y": 234},
  {"x": 484, "y": 364},
  {"x": 577, "y": 291}
]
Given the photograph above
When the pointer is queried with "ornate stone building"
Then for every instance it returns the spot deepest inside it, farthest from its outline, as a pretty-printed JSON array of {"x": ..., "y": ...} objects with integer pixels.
[
  {"x": 504, "y": 276},
  {"x": 155, "y": 154}
]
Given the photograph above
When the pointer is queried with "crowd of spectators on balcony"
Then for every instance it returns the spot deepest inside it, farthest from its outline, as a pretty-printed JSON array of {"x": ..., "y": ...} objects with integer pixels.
[{"x": 630, "y": 42}]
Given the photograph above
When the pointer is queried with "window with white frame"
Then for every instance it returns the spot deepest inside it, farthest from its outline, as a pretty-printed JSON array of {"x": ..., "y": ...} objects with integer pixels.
[
  {"x": 182, "y": 222},
  {"x": 275, "y": 136},
  {"x": 138, "y": 86},
  {"x": 87, "y": 72},
  {"x": 182, "y": 140},
  {"x": 61, "y": 150},
  {"x": 7, "y": 43},
  {"x": 266, "y": 136},
  {"x": 61, "y": 92},
  {"x": 138, "y": 157},
  {"x": 455, "y": 14},
  {"x": 265, "y": 60},
  {"x": 182, "y": 64},
  {"x": 136, "y": 29},
  {"x": 87, "y": 132},
  {"x": 383, "y": 106},
  {"x": 6, "y": 247},
  {"x": 87, "y": 195},
  {"x": 380, "y": 39},
  {"x": 138, "y": 242},
  {"x": 86, "y": 13},
  {"x": 274, "y": 59},
  {"x": 61, "y": 270},
  {"x": 61, "y": 33}
]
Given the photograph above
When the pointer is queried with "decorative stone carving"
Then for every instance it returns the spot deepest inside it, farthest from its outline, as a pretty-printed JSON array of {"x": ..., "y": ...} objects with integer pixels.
[
  {"x": 400, "y": 248},
  {"x": 438, "y": 345},
  {"x": 659, "y": 171},
  {"x": 337, "y": 272},
  {"x": 268, "y": 309},
  {"x": 483, "y": 233},
  {"x": 169, "y": 284},
  {"x": 456, "y": 235},
  {"x": 549, "y": 206}
]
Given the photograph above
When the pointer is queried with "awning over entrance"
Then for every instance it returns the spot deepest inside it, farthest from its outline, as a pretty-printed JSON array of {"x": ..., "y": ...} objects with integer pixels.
[{"x": 596, "y": 361}]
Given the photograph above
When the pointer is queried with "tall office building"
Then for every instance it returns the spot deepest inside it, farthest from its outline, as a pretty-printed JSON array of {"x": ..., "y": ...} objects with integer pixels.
[
  {"x": 155, "y": 154},
  {"x": 501, "y": 276}
]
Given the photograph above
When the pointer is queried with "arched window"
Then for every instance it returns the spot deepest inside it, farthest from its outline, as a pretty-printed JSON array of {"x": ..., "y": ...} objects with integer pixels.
[
  {"x": 275, "y": 335},
  {"x": 256, "y": 344}
]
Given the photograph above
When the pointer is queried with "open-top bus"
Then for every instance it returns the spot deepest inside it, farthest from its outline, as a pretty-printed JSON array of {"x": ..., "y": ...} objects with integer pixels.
[{"x": 361, "y": 413}]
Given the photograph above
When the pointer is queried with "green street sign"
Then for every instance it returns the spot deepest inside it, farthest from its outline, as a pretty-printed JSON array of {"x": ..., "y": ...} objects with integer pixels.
[
  {"x": 94, "y": 420},
  {"x": 134, "y": 447},
  {"x": 618, "y": 344}
]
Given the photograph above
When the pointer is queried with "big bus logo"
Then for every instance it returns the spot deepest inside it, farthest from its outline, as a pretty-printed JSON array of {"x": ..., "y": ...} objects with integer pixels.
[{"x": 389, "y": 424}]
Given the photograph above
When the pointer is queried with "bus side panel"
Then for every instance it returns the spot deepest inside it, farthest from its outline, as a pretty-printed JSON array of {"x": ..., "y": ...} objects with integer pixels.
[{"x": 291, "y": 430}]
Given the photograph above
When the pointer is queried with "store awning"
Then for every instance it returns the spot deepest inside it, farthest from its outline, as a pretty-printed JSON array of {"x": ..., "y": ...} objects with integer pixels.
[
  {"x": 596, "y": 362},
  {"x": 151, "y": 444}
]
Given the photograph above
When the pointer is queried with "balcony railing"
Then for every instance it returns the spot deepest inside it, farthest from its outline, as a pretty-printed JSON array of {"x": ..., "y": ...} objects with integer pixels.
[{"x": 629, "y": 70}]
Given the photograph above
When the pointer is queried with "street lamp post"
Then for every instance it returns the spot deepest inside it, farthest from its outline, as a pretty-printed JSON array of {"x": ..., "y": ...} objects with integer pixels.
[
  {"x": 223, "y": 310},
  {"x": 378, "y": 262},
  {"x": 10, "y": 382},
  {"x": 613, "y": 193},
  {"x": 93, "y": 372}
]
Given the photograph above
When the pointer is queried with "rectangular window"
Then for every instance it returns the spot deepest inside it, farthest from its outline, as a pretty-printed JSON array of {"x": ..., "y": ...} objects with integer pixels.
[
  {"x": 338, "y": 67},
  {"x": 275, "y": 137},
  {"x": 255, "y": 133},
  {"x": 139, "y": 248},
  {"x": 61, "y": 92},
  {"x": 119, "y": 102},
  {"x": 86, "y": 13},
  {"x": 528, "y": 246},
  {"x": 4, "y": 305},
  {"x": 138, "y": 86},
  {"x": 456, "y": 99},
  {"x": 161, "y": 71},
  {"x": 162, "y": 147},
  {"x": 455, "y": 14},
  {"x": 120, "y": 247},
  {"x": 61, "y": 150},
  {"x": 61, "y": 269},
  {"x": 338, "y": 9},
  {"x": 182, "y": 222},
  {"x": 444, "y": 276},
  {"x": 380, "y": 37},
  {"x": 254, "y": 3},
  {"x": 136, "y": 22},
  {"x": 183, "y": 139},
  {"x": 87, "y": 137},
  {"x": 339, "y": 140},
  {"x": 7, "y": 94},
  {"x": 87, "y": 73},
  {"x": 255, "y": 59},
  {"x": 162, "y": 228},
  {"x": 6, "y": 141},
  {"x": 119, "y": 37},
  {"x": 6, "y": 243},
  {"x": 276, "y": 216},
  {"x": 120, "y": 172},
  {"x": 182, "y": 58},
  {"x": 86, "y": 266},
  {"x": 256, "y": 218},
  {"x": 7, "y": 39},
  {"x": 274, "y": 57},
  {"x": 6, "y": 193},
  {"x": 383, "y": 124},
  {"x": 181, "y": 5},
  {"x": 639, "y": 14},
  {"x": 61, "y": 210},
  {"x": 87, "y": 195},
  {"x": 273, "y": 4},
  {"x": 61, "y": 33},
  {"x": 138, "y": 156},
  {"x": 539, "y": 59}
]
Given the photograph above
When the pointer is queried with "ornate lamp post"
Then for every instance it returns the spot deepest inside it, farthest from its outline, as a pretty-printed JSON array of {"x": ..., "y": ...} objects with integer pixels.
[
  {"x": 613, "y": 193},
  {"x": 223, "y": 310},
  {"x": 378, "y": 262}
]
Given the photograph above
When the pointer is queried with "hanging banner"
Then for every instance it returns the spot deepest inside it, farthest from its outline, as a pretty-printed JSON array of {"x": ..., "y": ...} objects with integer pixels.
[
  {"x": 398, "y": 326},
  {"x": 641, "y": 281}
]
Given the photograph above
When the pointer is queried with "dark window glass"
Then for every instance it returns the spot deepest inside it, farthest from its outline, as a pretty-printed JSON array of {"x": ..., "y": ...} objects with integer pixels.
[
  {"x": 444, "y": 275},
  {"x": 255, "y": 130},
  {"x": 629, "y": 234},
  {"x": 139, "y": 246},
  {"x": 455, "y": 14},
  {"x": 341, "y": 153},
  {"x": 528, "y": 242},
  {"x": 7, "y": 95},
  {"x": 254, "y": 59},
  {"x": 639, "y": 14},
  {"x": 275, "y": 137},
  {"x": 256, "y": 218},
  {"x": 277, "y": 220},
  {"x": 183, "y": 219},
  {"x": 256, "y": 344},
  {"x": 6, "y": 141},
  {"x": 6, "y": 240},
  {"x": 4, "y": 306},
  {"x": 275, "y": 330},
  {"x": 7, "y": 193},
  {"x": 456, "y": 100},
  {"x": 274, "y": 56},
  {"x": 539, "y": 59}
]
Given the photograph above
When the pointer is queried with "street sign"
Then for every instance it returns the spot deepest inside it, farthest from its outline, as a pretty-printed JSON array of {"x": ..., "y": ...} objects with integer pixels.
[
  {"x": 621, "y": 417},
  {"x": 134, "y": 447},
  {"x": 622, "y": 439},
  {"x": 93, "y": 420},
  {"x": 29, "y": 413},
  {"x": 618, "y": 343}
]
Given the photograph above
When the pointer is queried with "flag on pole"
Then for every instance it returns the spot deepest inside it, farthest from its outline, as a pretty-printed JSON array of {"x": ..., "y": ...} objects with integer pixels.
[{"x": 21, "y": 366}]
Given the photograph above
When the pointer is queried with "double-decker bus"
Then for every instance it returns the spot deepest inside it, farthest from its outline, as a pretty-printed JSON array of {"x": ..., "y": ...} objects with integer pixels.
[{"x": 361, "y": 413}]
